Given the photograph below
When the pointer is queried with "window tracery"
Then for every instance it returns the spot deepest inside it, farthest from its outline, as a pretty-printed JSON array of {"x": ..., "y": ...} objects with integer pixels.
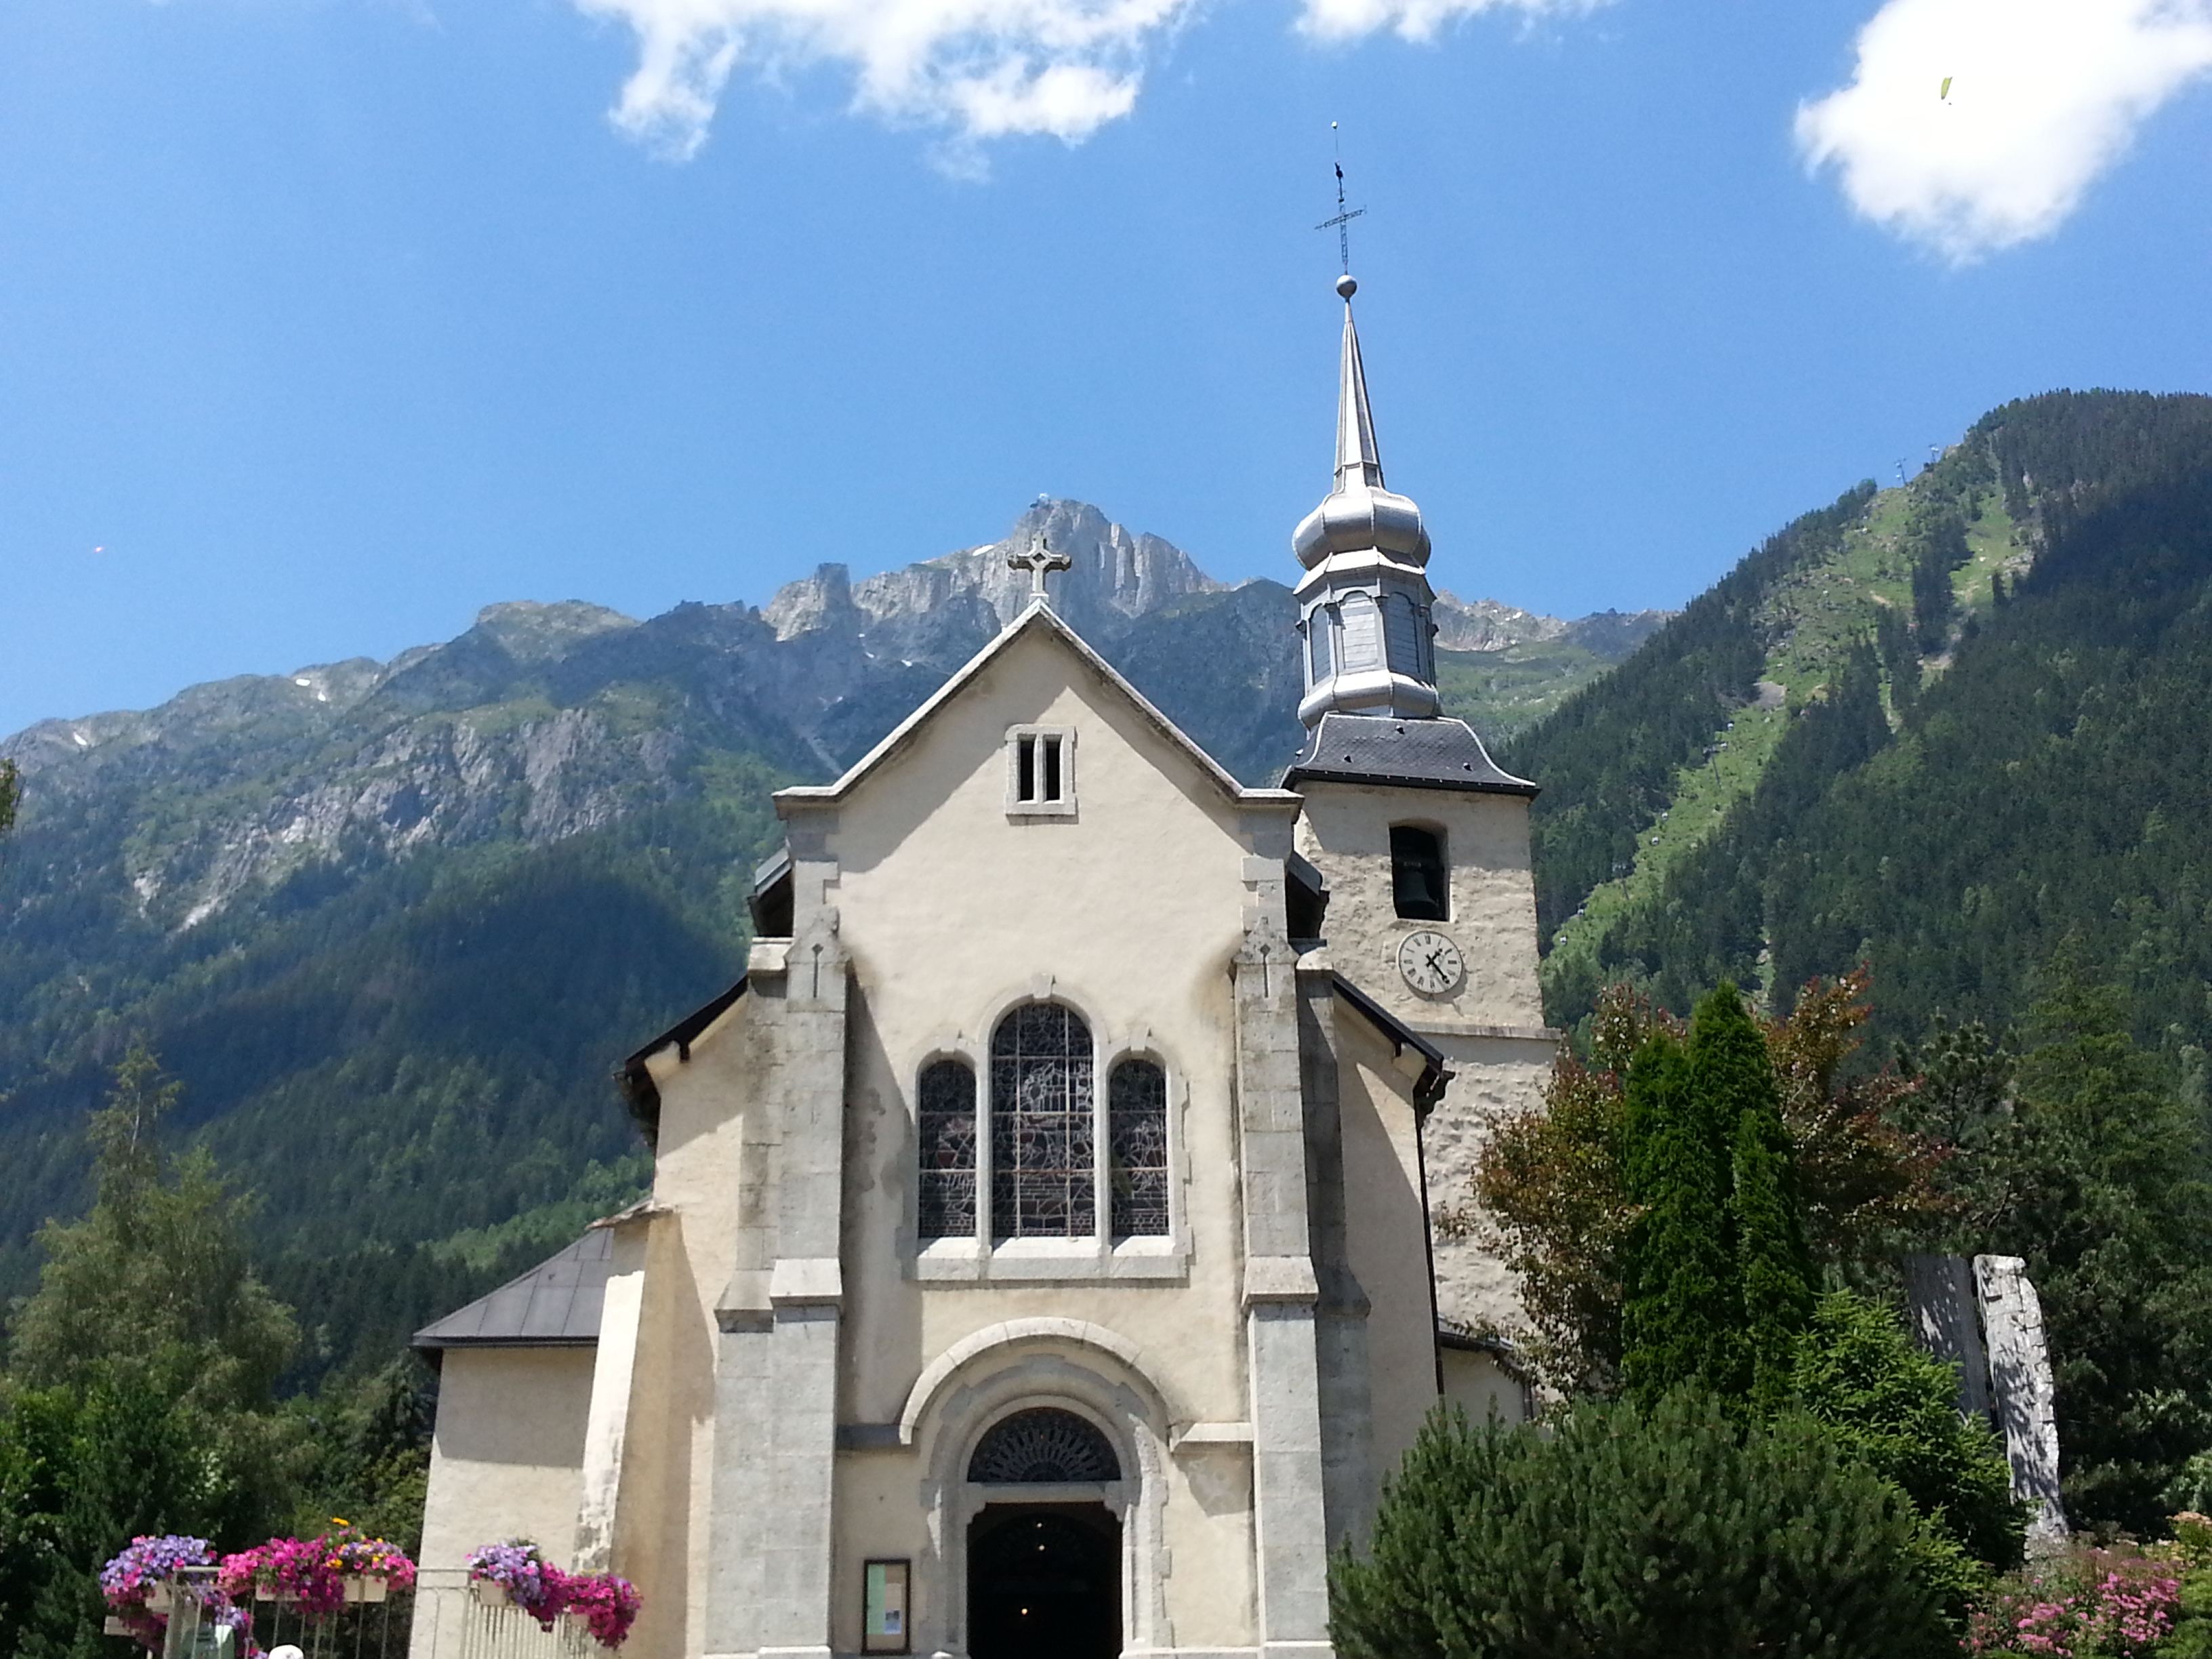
[
  {"x": 945, "y": 1126},
  {"x": 1137, "y": 1140},
  {"x": 1044, "y": 1150},
  {"x": 1043, "y": 1446}
]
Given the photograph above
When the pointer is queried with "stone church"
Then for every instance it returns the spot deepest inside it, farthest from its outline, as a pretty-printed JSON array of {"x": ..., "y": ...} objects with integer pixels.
[{"x": 1041, "y": 1257}]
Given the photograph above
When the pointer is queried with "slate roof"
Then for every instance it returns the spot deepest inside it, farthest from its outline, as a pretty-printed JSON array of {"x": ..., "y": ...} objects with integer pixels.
[
  {"x": 1405, "y": 754},
  {"x": 554, "y": 1305}
]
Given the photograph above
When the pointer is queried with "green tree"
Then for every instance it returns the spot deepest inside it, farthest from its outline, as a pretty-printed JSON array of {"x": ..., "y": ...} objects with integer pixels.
[
  {"x": 2113, "y": 1210},
  {"x": 1681, "y": 1309},
  {"x": 1733, "y": 1075},
  {"x": 1621, "y": 1534},
  {"x": 139, "y": 1396},
  {"x": 157, "y": 1272}
]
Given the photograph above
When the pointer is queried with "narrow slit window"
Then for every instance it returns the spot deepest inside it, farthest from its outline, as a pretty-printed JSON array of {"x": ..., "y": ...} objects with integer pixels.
[
  {"x": 1025, "y": 764},
  {"x": 1419, "y": 880},
  {"x": 945, "y": 1126},
  {"x": 1136, "y": 1131},
  {"x": 1051, "y": 790}
]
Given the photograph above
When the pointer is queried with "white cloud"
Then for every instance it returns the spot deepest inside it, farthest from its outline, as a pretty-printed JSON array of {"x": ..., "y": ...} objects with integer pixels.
[
  {"x": 1416, "y": 19},
  {"x": 2046, "y": 94},
  {"x": 987, "y": 69},
  {"x": 984, "y": 68}
]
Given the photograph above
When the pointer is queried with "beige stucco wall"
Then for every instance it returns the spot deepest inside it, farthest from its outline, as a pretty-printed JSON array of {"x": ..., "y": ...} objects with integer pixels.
[
  {"x": 701, "y": 1172},
  {"x": 1482, "y": 1387},
  {"x": 1346, "y": 832},
  {"x": 1490, "y": 1028},
  {"x": 1384, "y": 1224},
  {"x": 506, "y": 1457},
  {"x": 1129, "y": 912}
]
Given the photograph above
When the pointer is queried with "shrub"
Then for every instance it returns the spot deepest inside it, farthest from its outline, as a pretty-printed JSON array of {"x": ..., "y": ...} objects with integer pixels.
[
  {"x": 1624, "y": 1534},
  {"x": 1892, "y": 1410},
  {"x": 2085, "y": 1604}
]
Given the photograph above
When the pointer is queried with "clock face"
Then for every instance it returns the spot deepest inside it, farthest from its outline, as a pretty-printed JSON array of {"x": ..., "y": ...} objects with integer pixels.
[{"x": 1430, "y": 962}]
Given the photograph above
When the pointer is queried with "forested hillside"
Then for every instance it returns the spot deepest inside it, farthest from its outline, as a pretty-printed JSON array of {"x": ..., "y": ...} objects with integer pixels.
[
  {"x": 1936, "y": 729},
  {"x": 391, "y": 925}
]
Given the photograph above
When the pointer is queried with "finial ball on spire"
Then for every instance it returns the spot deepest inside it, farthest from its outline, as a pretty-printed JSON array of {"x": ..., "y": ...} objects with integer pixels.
[{"x": 1346, "y": 286}]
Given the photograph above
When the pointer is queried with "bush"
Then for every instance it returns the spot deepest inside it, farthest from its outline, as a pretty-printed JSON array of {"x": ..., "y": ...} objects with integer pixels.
[
  {"x": 1892, "y": 1410},
  {"x": 2085, "y": 1604},
  {"x": 1624, "y": 1534}
]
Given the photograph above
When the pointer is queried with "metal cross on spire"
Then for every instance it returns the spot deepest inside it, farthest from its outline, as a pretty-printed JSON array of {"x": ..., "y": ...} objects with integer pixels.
[
  {"x": 1040, "y": 559},
  {"x": 1341, "y": 224}
]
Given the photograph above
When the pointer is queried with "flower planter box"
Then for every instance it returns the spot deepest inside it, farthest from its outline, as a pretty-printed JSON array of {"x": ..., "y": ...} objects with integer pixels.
[
  {"x": 115, "y": 1626},
  {"x": 490, "y": 1592},
  {"x": 366, "y": 1587}
]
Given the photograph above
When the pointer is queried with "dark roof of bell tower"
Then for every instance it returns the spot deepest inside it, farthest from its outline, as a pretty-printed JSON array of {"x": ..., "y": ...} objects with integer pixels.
[{"x": 1400, "y": 754}]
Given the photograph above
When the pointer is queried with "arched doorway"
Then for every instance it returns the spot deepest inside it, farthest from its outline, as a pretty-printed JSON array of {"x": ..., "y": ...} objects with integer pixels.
[
  {"x": 1044, "y": 1582},
  {"x": 1044, "y": 1552}
]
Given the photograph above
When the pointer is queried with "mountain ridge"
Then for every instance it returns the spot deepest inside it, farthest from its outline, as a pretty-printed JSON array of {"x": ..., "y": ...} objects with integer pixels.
[{"x": 392, "y": 923}]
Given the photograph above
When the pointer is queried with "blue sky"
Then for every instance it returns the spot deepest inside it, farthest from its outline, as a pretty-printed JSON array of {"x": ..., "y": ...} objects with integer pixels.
[{"x": 329, "y": 321}]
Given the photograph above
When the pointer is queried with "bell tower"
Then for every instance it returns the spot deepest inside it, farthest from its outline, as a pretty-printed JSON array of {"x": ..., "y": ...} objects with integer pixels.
[
  {"x": 1363, "y": 602},
  {"x": 1419, "y": 838}
]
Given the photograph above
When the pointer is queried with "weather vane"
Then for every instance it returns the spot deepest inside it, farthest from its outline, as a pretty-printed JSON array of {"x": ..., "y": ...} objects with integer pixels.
[{"x": 1341, "y": 224}]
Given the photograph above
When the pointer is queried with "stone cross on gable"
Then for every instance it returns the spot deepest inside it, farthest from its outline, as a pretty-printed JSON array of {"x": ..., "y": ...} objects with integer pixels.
[{"x": 1037, "y": 561}]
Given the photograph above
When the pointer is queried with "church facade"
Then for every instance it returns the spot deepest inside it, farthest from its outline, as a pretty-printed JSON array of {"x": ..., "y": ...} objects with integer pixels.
[{"x": 1041, "y": 1256}]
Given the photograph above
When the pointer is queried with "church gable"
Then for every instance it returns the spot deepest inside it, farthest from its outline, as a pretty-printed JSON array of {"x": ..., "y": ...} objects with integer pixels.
[{"x": 985, "y": 676}]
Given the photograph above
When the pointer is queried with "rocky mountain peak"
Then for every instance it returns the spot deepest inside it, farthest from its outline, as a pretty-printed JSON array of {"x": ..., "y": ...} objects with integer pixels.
[
  {"x": 530, "y": 631},
  {"x": 1119, "y": 576}
]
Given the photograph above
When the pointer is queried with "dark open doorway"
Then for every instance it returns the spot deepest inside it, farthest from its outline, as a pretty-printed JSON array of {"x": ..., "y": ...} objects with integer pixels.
[{"x": 1044, "y": 1582}]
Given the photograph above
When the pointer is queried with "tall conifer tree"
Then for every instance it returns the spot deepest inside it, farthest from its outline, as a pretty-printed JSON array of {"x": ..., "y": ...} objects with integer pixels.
[
  {"x": 1680, "y": 1309},
  {"x": 1732, "y": 1076}
]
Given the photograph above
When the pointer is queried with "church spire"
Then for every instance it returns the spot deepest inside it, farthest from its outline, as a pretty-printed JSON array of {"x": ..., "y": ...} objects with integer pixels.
[
  {"x": 1364, "y": 600},
  {"x": 1357, "y": 457}
]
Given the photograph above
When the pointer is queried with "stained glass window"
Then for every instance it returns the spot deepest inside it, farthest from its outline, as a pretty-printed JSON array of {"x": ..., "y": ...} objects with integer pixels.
[
  {"x": 1137, "y": 1131},
  {"x": 946, "y": 1122},
  {"x": 1043, "y": 1150},
  {"x": 1043, "y": 1446}
]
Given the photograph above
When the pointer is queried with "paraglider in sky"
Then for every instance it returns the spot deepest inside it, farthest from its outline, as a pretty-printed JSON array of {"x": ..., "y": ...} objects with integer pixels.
[{"x": 1946, "y": 93}]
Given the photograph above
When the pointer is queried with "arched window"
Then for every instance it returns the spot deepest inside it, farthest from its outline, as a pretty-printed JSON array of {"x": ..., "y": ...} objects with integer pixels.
[
  {"x": 1043, "y": 1446},
  {"x": 1043, "y": 1145},
  {"x": 945, "y": 1125},
  {"x": 1419, "y": 879},
  {"x": 1137, "y": 1140}
]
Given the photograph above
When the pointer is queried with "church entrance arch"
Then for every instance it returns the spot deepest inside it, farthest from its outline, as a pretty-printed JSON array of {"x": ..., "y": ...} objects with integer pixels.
[
  {"x": 1044, "y": 1582},
  {"x": 1044, "y": 1546}
]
